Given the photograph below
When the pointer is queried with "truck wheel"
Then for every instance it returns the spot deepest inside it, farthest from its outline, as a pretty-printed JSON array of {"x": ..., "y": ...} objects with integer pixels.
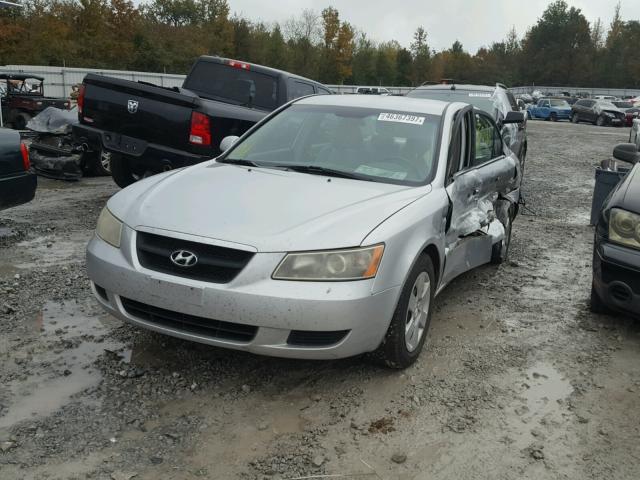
[
  {"x": 98, "y": 163},
  {"x": 410, "y": 323},
  {"x": 20, "y": 121},
  {"x": 121, "y": 171}
]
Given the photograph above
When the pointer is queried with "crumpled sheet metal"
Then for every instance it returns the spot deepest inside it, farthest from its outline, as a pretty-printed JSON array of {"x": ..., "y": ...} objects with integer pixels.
[{"x": 54, "y": 120}]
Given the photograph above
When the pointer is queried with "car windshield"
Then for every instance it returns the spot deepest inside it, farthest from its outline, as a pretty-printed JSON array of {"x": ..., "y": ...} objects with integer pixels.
[
  {"x": 482, "y": 100},
  {"x": 607, "y": 105},
  {"x": 362, "y": 143},
  {"x": 560, "y": 103}
]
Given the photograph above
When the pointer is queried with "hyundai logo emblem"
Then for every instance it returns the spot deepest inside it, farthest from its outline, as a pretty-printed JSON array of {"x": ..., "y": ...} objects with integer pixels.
[
  {"x": 132, "y": 106},
  {"x": 183, "y": 258}
]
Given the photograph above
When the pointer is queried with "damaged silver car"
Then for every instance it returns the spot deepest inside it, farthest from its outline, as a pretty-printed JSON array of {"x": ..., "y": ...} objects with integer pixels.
[{"x": 324, "y": 232}]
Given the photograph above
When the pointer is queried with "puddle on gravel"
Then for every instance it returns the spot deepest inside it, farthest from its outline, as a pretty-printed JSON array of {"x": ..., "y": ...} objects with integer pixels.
[
  {"x": 47, "y": 250},
  {"x": 62, "y": 366},
  {"x": 541, "y": 401}
]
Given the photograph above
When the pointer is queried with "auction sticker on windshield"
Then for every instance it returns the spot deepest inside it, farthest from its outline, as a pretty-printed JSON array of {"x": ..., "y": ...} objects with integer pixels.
[{"x": 400, "y": 118}]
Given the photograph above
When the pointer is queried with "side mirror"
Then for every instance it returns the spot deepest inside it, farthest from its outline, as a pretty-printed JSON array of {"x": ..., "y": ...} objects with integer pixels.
[
  {"x": 627, "y": 152},
  {"x": 513, "y": 117},
  {"x": 227, "y": 142}
]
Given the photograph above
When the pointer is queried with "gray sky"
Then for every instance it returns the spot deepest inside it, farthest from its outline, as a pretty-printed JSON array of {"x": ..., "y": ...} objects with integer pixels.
[{"x": 473, "y": 22}]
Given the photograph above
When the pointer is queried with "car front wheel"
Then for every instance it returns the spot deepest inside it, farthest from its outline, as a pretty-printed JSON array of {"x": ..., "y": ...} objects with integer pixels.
[
  {"x": 408, "y": 329},
  {"x": 597, "y": 305},
  {"x": 575, "y": 118},
  {"x": 600, "y": 121}
]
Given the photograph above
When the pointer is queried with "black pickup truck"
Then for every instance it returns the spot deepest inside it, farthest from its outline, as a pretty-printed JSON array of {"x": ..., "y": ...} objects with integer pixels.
[{"x": 149, "y": 129}]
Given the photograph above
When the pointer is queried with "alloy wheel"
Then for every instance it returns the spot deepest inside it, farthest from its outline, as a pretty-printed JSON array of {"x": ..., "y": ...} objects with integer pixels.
[{"x": 417, "y": 311}]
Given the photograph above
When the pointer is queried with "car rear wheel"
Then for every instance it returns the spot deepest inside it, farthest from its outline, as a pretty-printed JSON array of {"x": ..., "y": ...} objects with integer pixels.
[
  {"x": 575, "y": 118},
  {"x": 408, "y": 329},
  {"x": 121, "y": 171},
  {"x": 597, "y": 305},
  {"x": 500, "y": 250},
  {"x": 600, "y": 121}
]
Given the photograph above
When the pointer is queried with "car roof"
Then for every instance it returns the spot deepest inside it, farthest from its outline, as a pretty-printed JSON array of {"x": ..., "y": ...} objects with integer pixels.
[
  {"x": 19, "y": 76},
  {"x": 397, "y": 103},
  {"x": 463, "y": 87}
]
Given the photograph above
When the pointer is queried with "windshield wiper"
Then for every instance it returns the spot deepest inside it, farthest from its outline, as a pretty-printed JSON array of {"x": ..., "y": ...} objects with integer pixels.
[
  {"x": 245, "y": 163},
  {"x": 316, "y": 170}
]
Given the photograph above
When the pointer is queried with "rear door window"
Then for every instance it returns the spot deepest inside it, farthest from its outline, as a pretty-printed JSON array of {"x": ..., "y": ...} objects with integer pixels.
[
  {"x": 299, "y": 89},
  {"x": 239, "y": 86}
]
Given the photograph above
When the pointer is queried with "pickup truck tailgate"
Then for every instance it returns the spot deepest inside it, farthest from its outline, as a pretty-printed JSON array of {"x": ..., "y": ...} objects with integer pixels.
[{"x": 137, "y": 110}]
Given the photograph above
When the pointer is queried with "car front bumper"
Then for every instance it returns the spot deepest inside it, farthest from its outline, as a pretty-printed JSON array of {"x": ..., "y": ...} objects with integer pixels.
[
  {"x": 337, "y": 319},
  {"x": 616, "y": 276}
]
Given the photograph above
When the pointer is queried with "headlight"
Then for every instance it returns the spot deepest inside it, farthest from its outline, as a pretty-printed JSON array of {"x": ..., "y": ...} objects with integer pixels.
[
  {"x": 109, "y": 228},
  {"x": 624, "y": 228},
  {"x": 331, "y": 265},
  {"x": 608, "y": 114}
]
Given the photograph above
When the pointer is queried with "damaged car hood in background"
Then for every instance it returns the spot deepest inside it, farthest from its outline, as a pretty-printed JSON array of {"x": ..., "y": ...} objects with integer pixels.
[{"x": 267, "y": 209}]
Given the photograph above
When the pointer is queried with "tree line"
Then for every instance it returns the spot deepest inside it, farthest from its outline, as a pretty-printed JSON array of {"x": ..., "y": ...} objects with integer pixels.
[{"x": 561, "y": 48}]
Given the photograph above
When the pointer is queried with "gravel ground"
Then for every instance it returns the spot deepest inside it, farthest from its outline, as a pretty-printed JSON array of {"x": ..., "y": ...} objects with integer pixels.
[{"x": 519, "y": 379}]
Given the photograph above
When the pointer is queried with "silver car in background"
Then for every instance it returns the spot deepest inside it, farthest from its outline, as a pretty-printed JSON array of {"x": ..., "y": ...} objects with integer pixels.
[{"x": 324, "y": 232}]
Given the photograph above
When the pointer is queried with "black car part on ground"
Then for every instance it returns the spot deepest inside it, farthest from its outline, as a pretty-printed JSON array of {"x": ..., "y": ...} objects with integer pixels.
[
  {"x": 54, "y": 152},
  {"x": 17, "y": 184}
]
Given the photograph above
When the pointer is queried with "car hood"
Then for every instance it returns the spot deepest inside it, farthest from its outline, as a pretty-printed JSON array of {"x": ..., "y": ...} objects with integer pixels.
[{"x": 266, "y": 209}]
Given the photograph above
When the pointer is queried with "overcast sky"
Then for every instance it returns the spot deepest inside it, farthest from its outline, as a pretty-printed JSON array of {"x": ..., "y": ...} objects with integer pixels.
[{"x": 475, "y": 23}]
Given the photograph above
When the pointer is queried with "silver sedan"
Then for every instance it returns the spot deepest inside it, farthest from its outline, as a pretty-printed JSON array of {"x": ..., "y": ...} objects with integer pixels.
[{"x": 324, "y": 232}]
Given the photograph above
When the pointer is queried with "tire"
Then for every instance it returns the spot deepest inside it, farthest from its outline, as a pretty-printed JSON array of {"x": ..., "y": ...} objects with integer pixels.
[
  {"x": 575, "y": 118},
  {"x": 121, "y": 171},
  {"x": 529, "y": 115},
  {"x": 553, "y": 117},
  {"x": 98, "y": 163},
  {"x": 600, "y": 121},
  {"x": 500, "y": 250},
  {"x": 597, "y": 305},
  {"x": 20, "y": 121},
  {"x": 397, "y": 350}
]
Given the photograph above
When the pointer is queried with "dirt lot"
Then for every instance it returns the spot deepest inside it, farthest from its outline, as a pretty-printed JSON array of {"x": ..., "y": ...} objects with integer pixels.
[{"x": 519, "y": 379}]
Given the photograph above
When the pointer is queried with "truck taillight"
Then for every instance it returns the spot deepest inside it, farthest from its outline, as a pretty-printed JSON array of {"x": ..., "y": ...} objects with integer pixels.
[
  {"x": 81, "y": 99},
  {"x": 240, "y": 65},
  {"x": 25, "y": 156},
  {"x": 200, "y": 133}
]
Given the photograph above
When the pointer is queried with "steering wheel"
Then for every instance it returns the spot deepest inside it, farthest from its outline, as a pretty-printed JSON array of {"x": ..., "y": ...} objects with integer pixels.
[{"x": 409, "y": 166}]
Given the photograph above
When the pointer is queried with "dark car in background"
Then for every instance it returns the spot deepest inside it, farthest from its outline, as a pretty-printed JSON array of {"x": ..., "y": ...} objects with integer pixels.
[
  {"x": 598, "y": 112},
  {"x": 17, "y": 183},
  {"x": 148, "y": 129},
  {"x": 23, "y": 98},
  {"x": 616, "y": 252},
  {"x": 495, "y": 100}
]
